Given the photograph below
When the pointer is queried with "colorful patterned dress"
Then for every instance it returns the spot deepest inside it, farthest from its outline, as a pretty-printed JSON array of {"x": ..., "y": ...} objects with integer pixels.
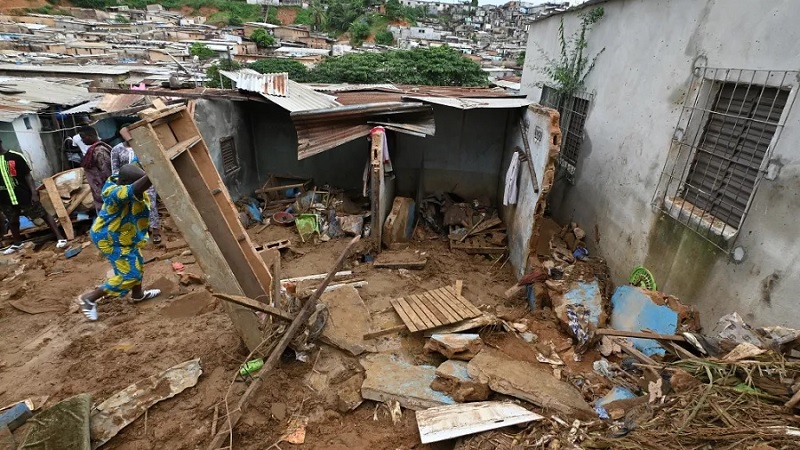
[{"x": 119, "y": 232}]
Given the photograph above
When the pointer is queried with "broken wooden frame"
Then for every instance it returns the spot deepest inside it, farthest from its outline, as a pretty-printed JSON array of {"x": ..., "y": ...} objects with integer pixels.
[{"x": 176, "y": 158}]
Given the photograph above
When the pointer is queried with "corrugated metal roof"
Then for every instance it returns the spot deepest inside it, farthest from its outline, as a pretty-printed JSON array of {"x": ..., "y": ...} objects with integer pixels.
[
  {"x": 345, "y": 87},
  {"x": 475, "y": 103},
  {"x": 98, "y": 69},
  {"x": 296, "y": 97},
  {"x": 30, "y": 95},
  {"x": 321, "y": 130}
]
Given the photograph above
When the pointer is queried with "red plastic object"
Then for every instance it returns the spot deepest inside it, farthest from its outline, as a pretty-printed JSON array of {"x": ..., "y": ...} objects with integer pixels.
[
  {"x": 283, "y": 218},
  {"x": 177, "y": 267}
]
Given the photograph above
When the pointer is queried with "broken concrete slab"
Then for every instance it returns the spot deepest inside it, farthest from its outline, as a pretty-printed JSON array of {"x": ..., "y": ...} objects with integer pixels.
[
  {"x": 348, "y": 321},
  {"x": 529, "y": 382},
  {"x": 455, "y": 346},
  {"x": 348, "y": 393},
  {"x": 122, "y": 408},
  {"x": 584, "y": 300},
  {"x": 389, "y": 377},
  {"x": 636, "y": 309},
  {"x": 452, "y": 377},
  {"x": 64, "y": 425}
]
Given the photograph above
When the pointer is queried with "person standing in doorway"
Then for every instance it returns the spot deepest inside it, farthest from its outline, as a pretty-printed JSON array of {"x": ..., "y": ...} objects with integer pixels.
[
  {"x": 18, "y": 197},
  {"x": 96, "y": 164},
  {"x": 122, "y": 154},
  {"x": 120, "y": 232}
]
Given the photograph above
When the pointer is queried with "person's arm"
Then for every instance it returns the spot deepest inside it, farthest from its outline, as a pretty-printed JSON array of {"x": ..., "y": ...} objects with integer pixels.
[
  {"x": 115, "y": 160},
  {"x": 141, "y": 185},
  {"x": 32, "y": 186}
]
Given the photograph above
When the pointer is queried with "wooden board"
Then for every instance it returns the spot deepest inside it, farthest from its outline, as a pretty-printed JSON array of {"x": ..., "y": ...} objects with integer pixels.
[
  {"x": 441, "y": 423},
  {"x": 58, "y": 206},
  {"x": 435, "y": 308}
]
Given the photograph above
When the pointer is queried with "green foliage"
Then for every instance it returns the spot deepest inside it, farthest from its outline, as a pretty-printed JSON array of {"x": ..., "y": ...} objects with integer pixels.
[
  {"x": 262, "y": 38},
  {"x": 343, "y": 13},
  {"x": 231, "y": 12},
  {"x": 295, "y": 69},
  {"x": 201, "y": 51},
  {"x": 569, "y": 71},
  {"x": 521, "y": 58},
  {"x": 359, "y": 32},
  {"x": 216, "y": 79},
  {"x": 384, "y": 37},
  {"x": 121, "y": 19},
  {"x": 272, "y": 16},
  {"x": 235, "y": 21},
  {"x": 319, "y": 16},
  {"x": 439, "y": 66},
  {"x": 394, "y": 11},
  {"x": 303, "y": 16}
]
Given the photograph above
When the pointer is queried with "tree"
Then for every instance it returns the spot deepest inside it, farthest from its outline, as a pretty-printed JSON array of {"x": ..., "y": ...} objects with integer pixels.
[
  {"x": 201, "y": 51},
  {"x": 394, "y": 10},
  {"x": 359, "y": 32},
  {"x": 319, "y": 17},
  {"x": 384, "y": 37},
  {"x": 438, "y": 66},
  {"x": 262, "y": 38},
  {"x": 521, "y": 59},
  {"x": 295, "y": 69},
  {"x": 569, "y": 71},
  {"x": 216, "y": 79}
]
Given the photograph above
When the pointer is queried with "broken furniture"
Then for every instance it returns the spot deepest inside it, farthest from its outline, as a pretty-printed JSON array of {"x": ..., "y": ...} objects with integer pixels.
[
  {"x": 280, "y": 191},
  {"x": 176, "y": 158},
  {"x": 434, "y": 308}
]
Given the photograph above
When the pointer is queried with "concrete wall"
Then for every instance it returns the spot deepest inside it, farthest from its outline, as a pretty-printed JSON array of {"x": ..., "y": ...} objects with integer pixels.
[
  {"x": 640, "y": 83},
  {"x": 30, "y": 143},
  {"x": 521, "y": 218},
  {"x": 218, "y": 119},
  {"x": 463, "y": 157}
]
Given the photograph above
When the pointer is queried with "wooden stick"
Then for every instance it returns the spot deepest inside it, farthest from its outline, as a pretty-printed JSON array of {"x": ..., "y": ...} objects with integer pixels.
[
  {"x": 256, "y": 305},
  {"x": 629, "y": 349},
  {"x": 794, "y": 401},
  {"x": 342, "y": 274},
  {"x": 58, "y": 206},
  {"x": 390, "y": 330},
  {"x": 459, "y": 287},
  {"x": 640, "y": 334},
  {"x": 274, "y": 357}
]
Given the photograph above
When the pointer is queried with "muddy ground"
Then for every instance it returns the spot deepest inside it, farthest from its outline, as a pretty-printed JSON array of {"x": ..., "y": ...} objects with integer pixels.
[{"x": 57, "y": 353}]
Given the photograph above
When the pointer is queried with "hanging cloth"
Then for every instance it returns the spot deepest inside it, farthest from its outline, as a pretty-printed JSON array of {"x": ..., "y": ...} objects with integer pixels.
[{"x": 510, "y": 194}]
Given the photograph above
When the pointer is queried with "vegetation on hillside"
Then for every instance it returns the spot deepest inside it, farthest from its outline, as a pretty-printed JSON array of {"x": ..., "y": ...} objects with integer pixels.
[{"x": 440, "y": 66}]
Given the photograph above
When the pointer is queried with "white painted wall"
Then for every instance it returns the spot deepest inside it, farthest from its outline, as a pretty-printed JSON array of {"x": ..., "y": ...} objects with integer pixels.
[
  {"x": 30, "y": 143},
  {"x": 640, "y": 83}
]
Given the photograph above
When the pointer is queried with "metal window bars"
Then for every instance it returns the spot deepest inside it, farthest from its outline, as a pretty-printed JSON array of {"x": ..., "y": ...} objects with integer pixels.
[
  {"x": 729, "y": 124},
  {"x": 573, "y": 110}
]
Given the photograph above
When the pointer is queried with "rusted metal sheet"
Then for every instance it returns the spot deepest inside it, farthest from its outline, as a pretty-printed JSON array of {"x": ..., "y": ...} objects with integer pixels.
[
  {"x": 279, "y": 89},
  {"x": 324, "y": 129}
]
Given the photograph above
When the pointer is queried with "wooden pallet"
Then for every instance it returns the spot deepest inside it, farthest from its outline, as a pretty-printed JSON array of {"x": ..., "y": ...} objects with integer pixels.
[{"x": 434, "y": 308}]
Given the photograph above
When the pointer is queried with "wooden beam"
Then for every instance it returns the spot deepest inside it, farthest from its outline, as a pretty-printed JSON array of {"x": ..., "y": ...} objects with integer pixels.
[
  {"x": 274, "y": 357},
  {"x": 255, "y": 305},
  {"x": 385, "y": 331},
  {"x": 631, "y": 350},
  {"x": 640, "y": 334},
  {"x": 58, "y": 206}
]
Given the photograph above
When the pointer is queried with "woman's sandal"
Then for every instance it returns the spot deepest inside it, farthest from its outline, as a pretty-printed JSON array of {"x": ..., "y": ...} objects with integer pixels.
[{"x": 147, "y": 295}]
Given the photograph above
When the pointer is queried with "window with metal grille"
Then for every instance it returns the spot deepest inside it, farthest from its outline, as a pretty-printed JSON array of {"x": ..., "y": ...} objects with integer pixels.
[
  {"x": 573, "y": 110},
  {"x": 230, "y": 161},
  {"x": 728, "y": 127}
]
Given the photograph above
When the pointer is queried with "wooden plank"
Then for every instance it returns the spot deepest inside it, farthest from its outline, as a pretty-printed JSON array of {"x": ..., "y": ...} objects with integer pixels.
[
  {"x": 457, "y": 306},
  {"x": 485, "y": 320},
  {"x": 445, "y": 301},
  {"x": 58, "y": 206},
  {"x": 459, "y": 286},
  {"x": 385, "y": 331},
  {"x": 640, "y": 334},
  {"x": 432, "y": 312},
  {"x": 442, "y": 423},
  {"x": 463, "y": 301},
  {"x": 182, "y": 146},
  {"x": 644, "y": 359},
  {"x": 404, "y": 316},
  {"x": 419, "y": 264},
  {"x": 255, "y": 305},
  {"x": 485, "y": 225},
  {"x": 449, "y": 315},
  {"x": 421, "y": 313},
  {"x": 78, "y": 199}
]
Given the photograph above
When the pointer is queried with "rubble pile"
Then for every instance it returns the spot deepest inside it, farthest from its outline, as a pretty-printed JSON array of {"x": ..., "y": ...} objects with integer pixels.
[{"x": 472, "y": 227}]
